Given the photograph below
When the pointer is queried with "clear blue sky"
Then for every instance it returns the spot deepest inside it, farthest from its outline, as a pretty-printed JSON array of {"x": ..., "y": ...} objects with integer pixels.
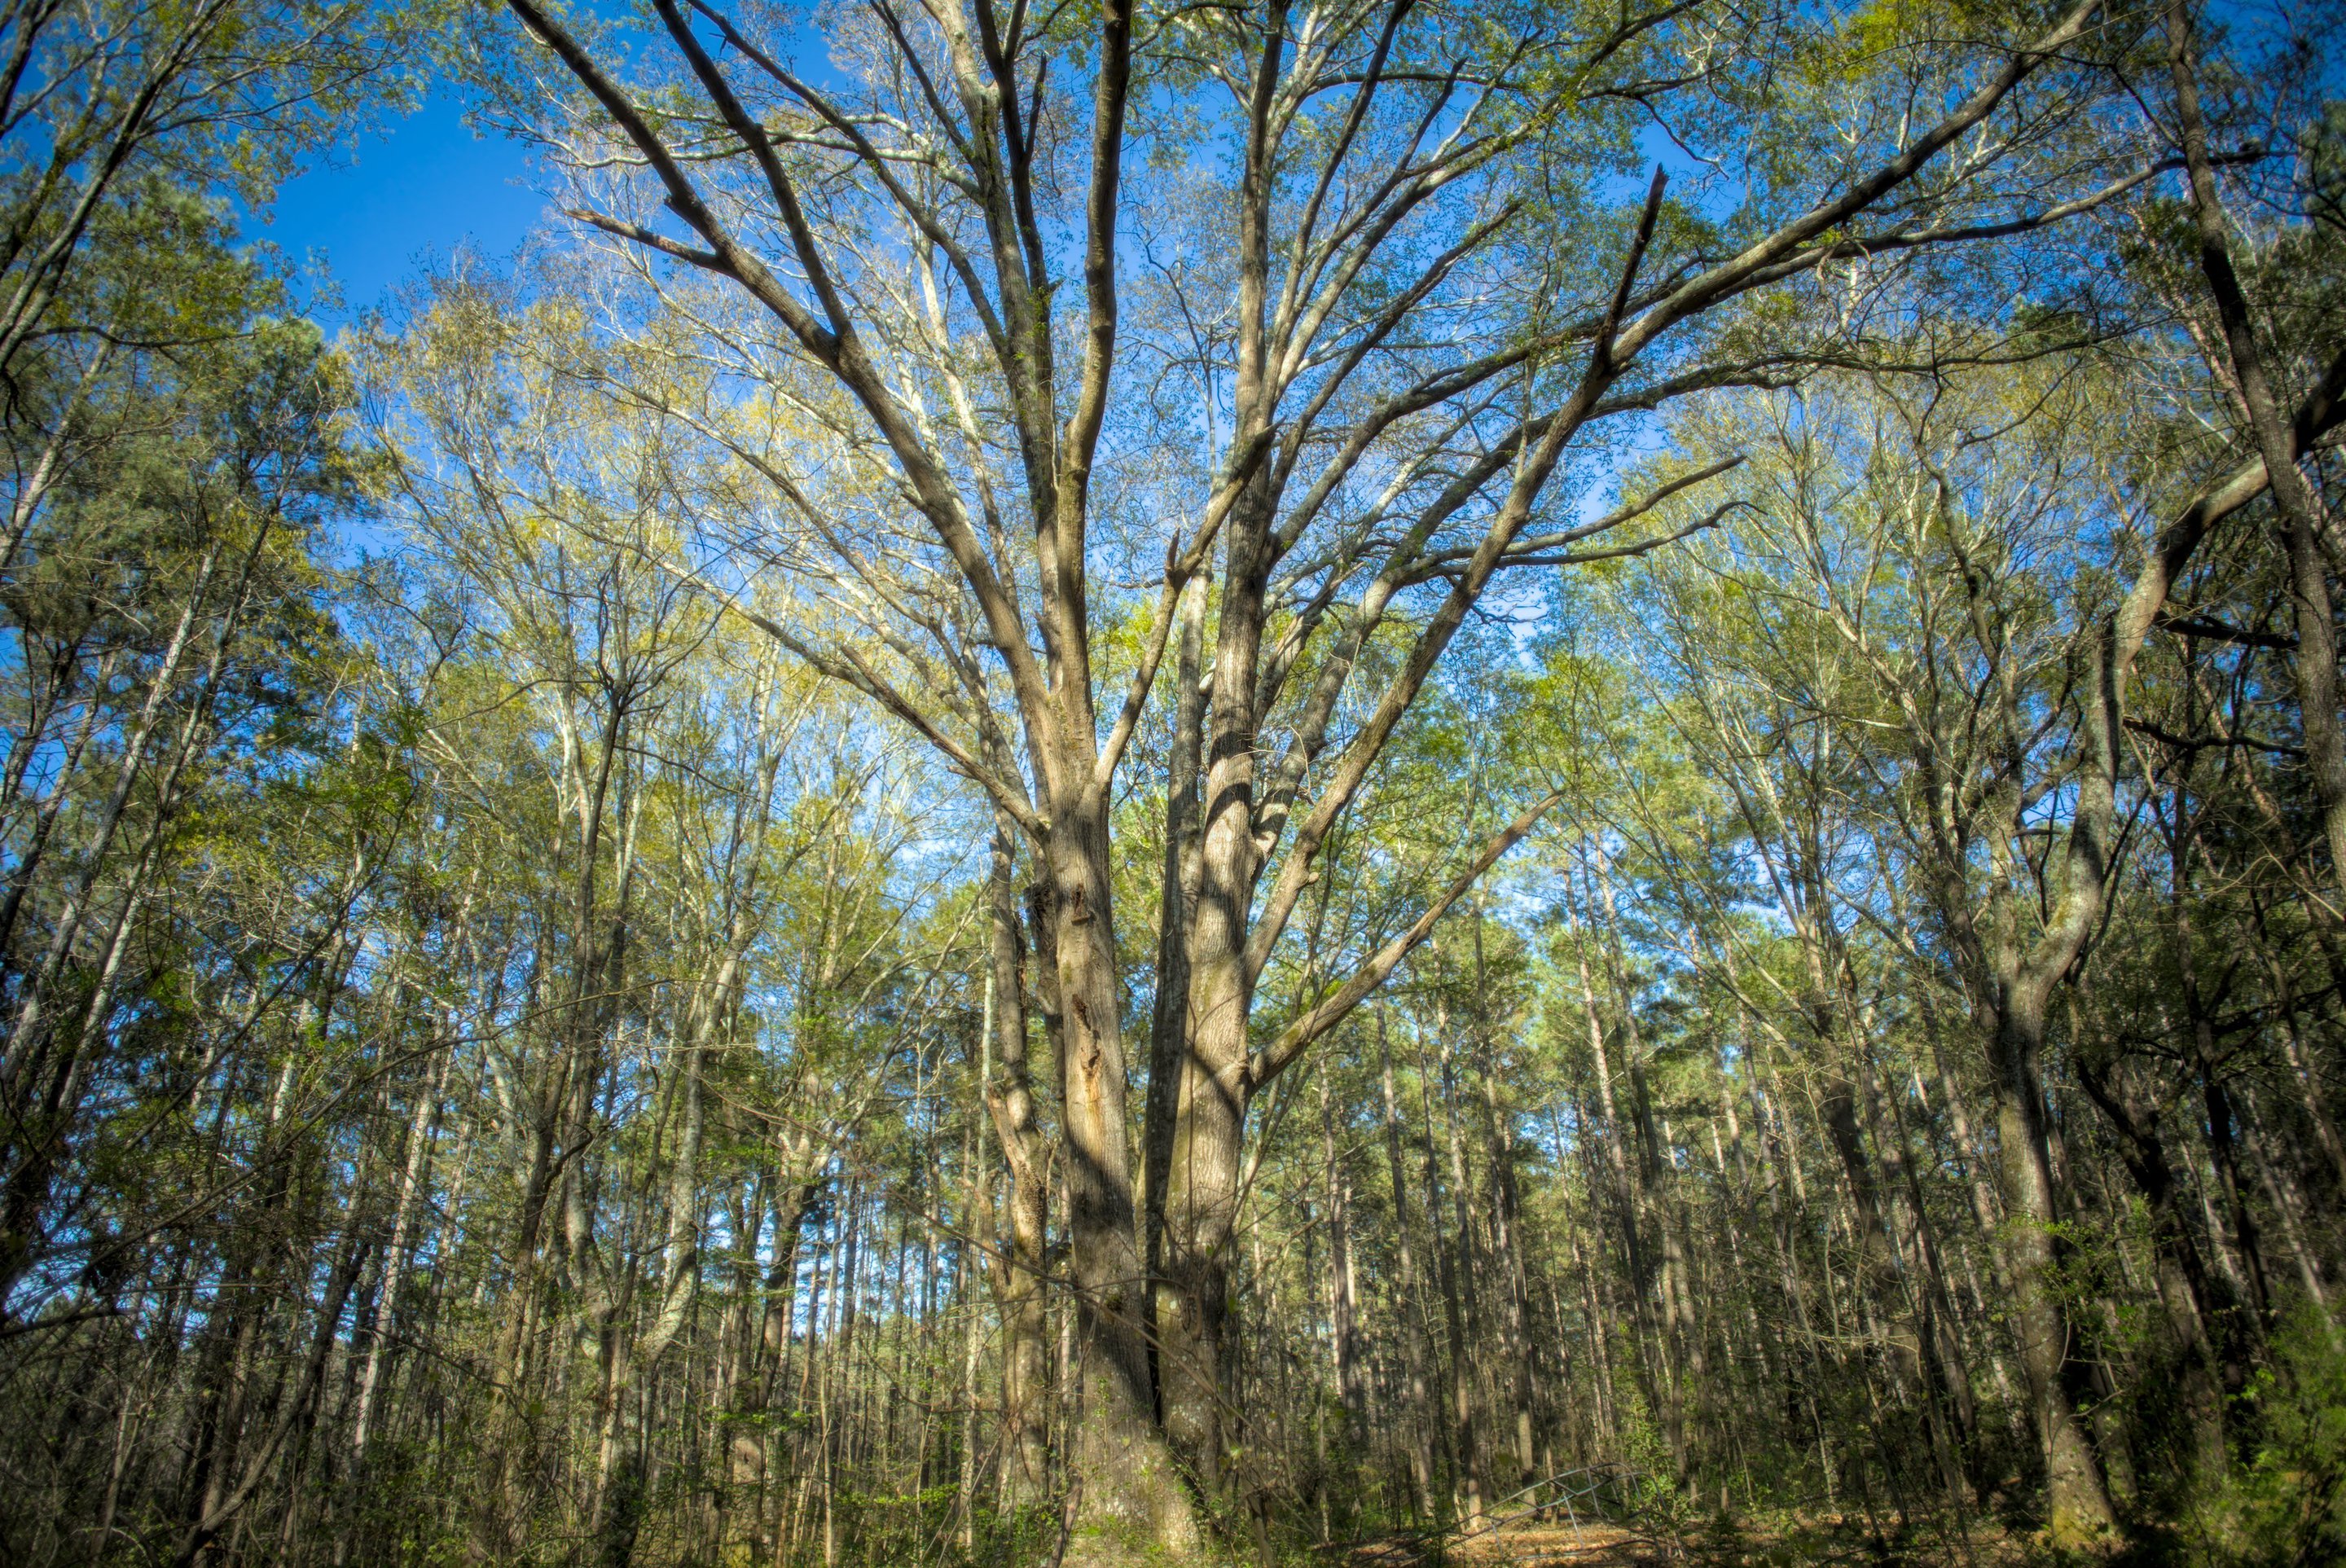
[{"x": 405, "y": 196}]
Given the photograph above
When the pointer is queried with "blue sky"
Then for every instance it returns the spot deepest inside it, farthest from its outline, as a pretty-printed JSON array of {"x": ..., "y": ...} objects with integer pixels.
[{"x": 412, "y": 192}]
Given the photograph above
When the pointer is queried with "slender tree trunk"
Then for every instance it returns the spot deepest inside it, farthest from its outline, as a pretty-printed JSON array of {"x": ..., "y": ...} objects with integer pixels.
[
  {"x": 1343, "y": 1310},
  {"x": 394, "y": 1263},
  {"x": 1449, "y": 1264},
  {"x": 1018, "y": 1276},
  {"x": 1407, "y": 1287}
]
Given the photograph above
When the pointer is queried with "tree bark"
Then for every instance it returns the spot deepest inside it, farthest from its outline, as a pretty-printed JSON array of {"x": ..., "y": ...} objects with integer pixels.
[{"x": 1018, "y": 1276}]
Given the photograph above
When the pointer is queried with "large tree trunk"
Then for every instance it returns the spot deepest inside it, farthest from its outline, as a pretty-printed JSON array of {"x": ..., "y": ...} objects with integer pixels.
[
  {"x": 1210, "y": 1105},
  {"x": 2077, "y": 1499},
  {"x": 1170, "y": 1033},
  {"x": 1127, "y": 1497}
]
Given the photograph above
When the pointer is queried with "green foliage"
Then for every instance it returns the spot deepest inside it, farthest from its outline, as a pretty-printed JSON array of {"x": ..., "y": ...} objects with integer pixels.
[{"x": 2285, "y": 1506}]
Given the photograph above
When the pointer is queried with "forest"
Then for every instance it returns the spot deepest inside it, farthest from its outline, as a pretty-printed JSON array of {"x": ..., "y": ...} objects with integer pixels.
[{"x": 1179, "y": 783}]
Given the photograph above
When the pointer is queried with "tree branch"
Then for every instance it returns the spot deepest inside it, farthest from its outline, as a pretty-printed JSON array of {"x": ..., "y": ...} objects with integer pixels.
[{"x": 1297, "y": 1036}]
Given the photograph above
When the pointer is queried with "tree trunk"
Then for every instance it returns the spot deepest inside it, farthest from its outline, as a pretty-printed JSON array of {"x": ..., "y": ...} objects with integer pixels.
[
  {"x": 2077, "y": 1499},
  {"x": 1210, "y": 1105},
  {"x": 1128, "y": 1494},
  {"x": 1407, "y": 1296},
  {"x": 1018, "y": 1276},
  {"x": 1169, "y": 1033}
]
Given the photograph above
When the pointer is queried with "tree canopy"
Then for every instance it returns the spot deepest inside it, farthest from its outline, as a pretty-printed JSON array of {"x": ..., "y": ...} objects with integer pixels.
[{"x": 1133, "y": 783}]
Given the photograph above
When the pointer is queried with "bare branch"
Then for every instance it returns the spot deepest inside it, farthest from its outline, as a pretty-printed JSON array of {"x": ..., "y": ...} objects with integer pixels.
[
  {"x": 1297, "y": 1036},
  {"x": 1744, "y": 271},
  {"x": 650, "y": 240},
  {"x": 1522, "y": 552}
]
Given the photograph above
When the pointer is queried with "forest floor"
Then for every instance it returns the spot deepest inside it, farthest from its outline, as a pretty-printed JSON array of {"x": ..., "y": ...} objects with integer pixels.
[{"x": 1547, "y": 1542}]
